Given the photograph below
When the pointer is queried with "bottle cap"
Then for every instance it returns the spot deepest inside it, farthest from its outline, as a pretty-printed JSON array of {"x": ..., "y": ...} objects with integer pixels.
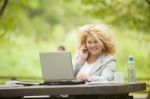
[{"x": 130, "y": 58}]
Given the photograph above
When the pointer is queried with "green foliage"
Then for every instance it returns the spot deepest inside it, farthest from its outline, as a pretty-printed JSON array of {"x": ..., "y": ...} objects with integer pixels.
[
  {"x": 133, "y": 14},
  {"x": 129, "y": 43}
]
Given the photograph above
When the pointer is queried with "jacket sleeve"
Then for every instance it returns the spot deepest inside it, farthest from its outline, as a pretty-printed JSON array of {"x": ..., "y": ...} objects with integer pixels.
[
  {"x": 107, "y": 73},
  {"x": 75, "y": 67}
]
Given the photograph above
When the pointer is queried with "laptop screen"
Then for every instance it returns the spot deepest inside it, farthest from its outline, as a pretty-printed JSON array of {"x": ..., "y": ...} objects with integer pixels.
[{"x": 56, "y": 66}]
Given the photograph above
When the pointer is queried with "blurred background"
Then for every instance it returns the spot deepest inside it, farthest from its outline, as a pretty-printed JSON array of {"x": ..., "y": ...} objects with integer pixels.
[{"x": 28, "y": 27}]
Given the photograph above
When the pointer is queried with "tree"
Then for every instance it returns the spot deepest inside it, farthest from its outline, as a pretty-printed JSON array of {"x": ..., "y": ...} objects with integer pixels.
[
  {"x": 134, "y": 14},
  {"x": 2, "y": 8}
]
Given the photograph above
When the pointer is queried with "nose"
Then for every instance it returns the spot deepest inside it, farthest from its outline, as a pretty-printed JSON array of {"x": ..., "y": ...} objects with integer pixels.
[{"x": 92, "y": 44}]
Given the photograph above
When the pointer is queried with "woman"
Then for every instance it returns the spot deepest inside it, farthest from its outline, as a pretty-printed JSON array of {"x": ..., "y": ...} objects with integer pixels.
[{"x": 94, "y": 60}]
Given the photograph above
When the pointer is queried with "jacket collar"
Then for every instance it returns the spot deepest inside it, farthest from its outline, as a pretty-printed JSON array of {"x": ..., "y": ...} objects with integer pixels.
[{"x": 98, "y": 64}]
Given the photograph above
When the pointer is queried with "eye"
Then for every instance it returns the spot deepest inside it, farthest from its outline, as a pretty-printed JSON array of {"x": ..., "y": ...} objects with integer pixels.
[
  {"x": 89, "y": 42},
  {"x": 95, "y": 41}
]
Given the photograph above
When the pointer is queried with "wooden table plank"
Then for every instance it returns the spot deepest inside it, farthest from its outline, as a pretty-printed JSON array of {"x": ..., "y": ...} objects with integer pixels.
[{"x": 98, "y": 89}]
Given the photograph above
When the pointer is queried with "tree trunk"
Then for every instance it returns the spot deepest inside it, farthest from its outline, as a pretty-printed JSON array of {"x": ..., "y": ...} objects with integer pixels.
[{"x": 2, "y": 8}]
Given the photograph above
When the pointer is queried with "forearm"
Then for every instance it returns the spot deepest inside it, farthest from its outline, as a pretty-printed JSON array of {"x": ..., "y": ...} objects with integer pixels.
[
  {"x": 79, "y": 61},
  {"x": 77, "y": 67}
]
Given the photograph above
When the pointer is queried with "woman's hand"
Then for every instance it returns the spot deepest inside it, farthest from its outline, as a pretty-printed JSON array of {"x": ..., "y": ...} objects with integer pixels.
[
  {"x": 83, "y": 54},
  {"x": 82, "y": 77}
]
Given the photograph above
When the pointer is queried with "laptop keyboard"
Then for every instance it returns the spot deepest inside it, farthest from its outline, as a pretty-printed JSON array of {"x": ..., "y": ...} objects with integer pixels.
[{"x": 65, "y": 82}]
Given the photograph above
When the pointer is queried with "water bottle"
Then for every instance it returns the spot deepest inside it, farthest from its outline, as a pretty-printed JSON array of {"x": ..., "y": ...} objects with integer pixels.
[{"x": 131, "y": 69}]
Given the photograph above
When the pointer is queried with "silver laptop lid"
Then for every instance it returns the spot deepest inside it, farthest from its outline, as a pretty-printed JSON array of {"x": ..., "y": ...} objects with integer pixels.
[{"x": 56, "y": 66}]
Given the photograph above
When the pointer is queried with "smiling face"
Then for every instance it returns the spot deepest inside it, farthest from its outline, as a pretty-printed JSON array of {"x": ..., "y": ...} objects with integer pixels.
[{"x": 94, "y": 45}]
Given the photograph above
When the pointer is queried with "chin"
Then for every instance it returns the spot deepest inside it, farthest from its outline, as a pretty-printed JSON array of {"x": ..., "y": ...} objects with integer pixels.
[{"x": 94, "y": 53}]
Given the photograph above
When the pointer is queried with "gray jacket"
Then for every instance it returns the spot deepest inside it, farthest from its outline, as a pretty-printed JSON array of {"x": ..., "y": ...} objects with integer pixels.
[{"x": 103, "y": 71}]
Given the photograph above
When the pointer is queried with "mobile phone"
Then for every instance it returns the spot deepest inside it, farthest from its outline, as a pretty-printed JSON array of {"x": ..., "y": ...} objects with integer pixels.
[{"x": 85, "y": 49}]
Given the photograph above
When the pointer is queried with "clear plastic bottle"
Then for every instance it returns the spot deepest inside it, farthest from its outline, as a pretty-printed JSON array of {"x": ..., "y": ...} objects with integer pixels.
[{"x": 131, "y": 69}]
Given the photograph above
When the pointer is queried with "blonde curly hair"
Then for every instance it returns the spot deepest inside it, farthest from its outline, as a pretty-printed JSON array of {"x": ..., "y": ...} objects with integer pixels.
[{"x": 100, "y": 32}]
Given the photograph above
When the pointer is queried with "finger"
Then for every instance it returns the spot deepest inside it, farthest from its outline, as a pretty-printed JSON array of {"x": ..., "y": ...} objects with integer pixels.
[
  {"x": 80, "y": 77},
  {"x": 83, "y": 77},
  {"x": 84, "y": 46}
]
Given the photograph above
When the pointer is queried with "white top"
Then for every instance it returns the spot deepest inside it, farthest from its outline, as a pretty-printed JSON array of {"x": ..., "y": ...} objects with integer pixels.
[{"x": 86, "y": 68}]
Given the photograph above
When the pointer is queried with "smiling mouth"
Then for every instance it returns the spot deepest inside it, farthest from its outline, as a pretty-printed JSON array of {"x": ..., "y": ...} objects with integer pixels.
[{"x": 94, "y": 49}]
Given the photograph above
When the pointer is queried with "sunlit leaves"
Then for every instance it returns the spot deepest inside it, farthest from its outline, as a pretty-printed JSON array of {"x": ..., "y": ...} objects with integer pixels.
[{"x": 134, "y": 14}]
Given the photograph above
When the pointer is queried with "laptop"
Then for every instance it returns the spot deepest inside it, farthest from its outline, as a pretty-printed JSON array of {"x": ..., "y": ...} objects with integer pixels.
[{"x": 57, "y": 68}]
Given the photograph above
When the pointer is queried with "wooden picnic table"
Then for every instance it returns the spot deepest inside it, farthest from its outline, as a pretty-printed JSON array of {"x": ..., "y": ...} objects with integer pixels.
[{"x": 82, "y": 91}]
